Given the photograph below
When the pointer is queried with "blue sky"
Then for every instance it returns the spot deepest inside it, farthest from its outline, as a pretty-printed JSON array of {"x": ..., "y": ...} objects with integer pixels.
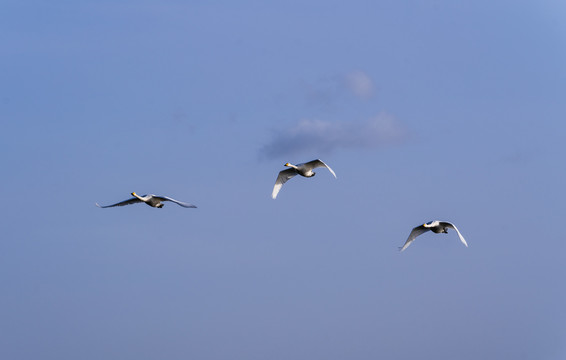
[{"x": 426, "y": 110}]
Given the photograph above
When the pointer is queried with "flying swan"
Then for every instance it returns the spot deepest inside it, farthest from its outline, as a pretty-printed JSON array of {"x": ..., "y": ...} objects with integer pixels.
[
  {"x": 150, "y": 199},
  {"x": 434, "y": 226},
  {"x": 300, "y": 169}
]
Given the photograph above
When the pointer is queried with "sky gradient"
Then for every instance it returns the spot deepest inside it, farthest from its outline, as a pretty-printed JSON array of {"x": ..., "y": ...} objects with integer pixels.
[{"x": 426, "y": 110}]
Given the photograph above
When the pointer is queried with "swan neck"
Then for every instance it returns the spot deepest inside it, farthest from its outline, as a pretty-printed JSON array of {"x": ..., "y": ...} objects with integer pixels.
[{"x": 137, "y": 196}]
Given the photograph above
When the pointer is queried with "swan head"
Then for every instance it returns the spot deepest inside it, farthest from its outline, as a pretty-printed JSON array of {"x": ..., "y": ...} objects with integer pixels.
[
  {"x": 134, "y": 194},
  {"x": 287, "y": 164}
]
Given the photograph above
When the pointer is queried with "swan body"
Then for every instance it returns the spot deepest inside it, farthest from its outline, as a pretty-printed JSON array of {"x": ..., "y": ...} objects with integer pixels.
[
  {"x": 150, "y": 199},
  {"x": 434, "y": 226},
  {"x": 305, "y": 170}
]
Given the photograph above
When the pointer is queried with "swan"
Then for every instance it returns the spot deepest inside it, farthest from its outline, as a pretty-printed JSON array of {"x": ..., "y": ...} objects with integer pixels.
[
  {"x": 434, "y": 226},
  {"x": 299, "y": 169},
  {"x": 150, "y": 199}
]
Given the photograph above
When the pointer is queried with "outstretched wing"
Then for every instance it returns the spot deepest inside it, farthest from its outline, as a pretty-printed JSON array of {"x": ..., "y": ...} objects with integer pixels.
[
  {"x": 282, "y": 178},
  {"x": 450, "y": 225},
  {"x": 414, "y": 233},
  {"x": 121, "y": 203},
  {"x": 319, "y": 163},
  {"x": 183, "y": 204}
]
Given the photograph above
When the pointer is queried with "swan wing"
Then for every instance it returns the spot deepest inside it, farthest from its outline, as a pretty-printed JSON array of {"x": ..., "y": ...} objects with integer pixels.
[
  {"x": 414, "y": 233},
  {"x": 121, "y": 203},
  {"x": 450, "y": 225},
  {"x": 180, "y": 203},
  {"x": 282, "y": 178},
  {"x": 318, "y": 163}
]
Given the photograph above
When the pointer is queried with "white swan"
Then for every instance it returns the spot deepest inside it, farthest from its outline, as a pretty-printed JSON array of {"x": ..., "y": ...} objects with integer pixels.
[
  {"x": 150, "y": 199},
  {"x": 300, "y": 169},
  {"x": 434, "y": 226}
]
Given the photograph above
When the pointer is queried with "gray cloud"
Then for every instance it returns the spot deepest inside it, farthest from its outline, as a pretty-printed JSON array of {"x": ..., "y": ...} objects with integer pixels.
[{"x": 315, "y": 137}]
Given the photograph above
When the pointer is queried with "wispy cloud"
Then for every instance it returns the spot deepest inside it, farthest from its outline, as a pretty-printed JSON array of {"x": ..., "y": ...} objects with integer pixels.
[
  {"x": 328, "y": 91},
  {"x": 360, "y": 84},
  {"x": 315, "y": 137}
]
